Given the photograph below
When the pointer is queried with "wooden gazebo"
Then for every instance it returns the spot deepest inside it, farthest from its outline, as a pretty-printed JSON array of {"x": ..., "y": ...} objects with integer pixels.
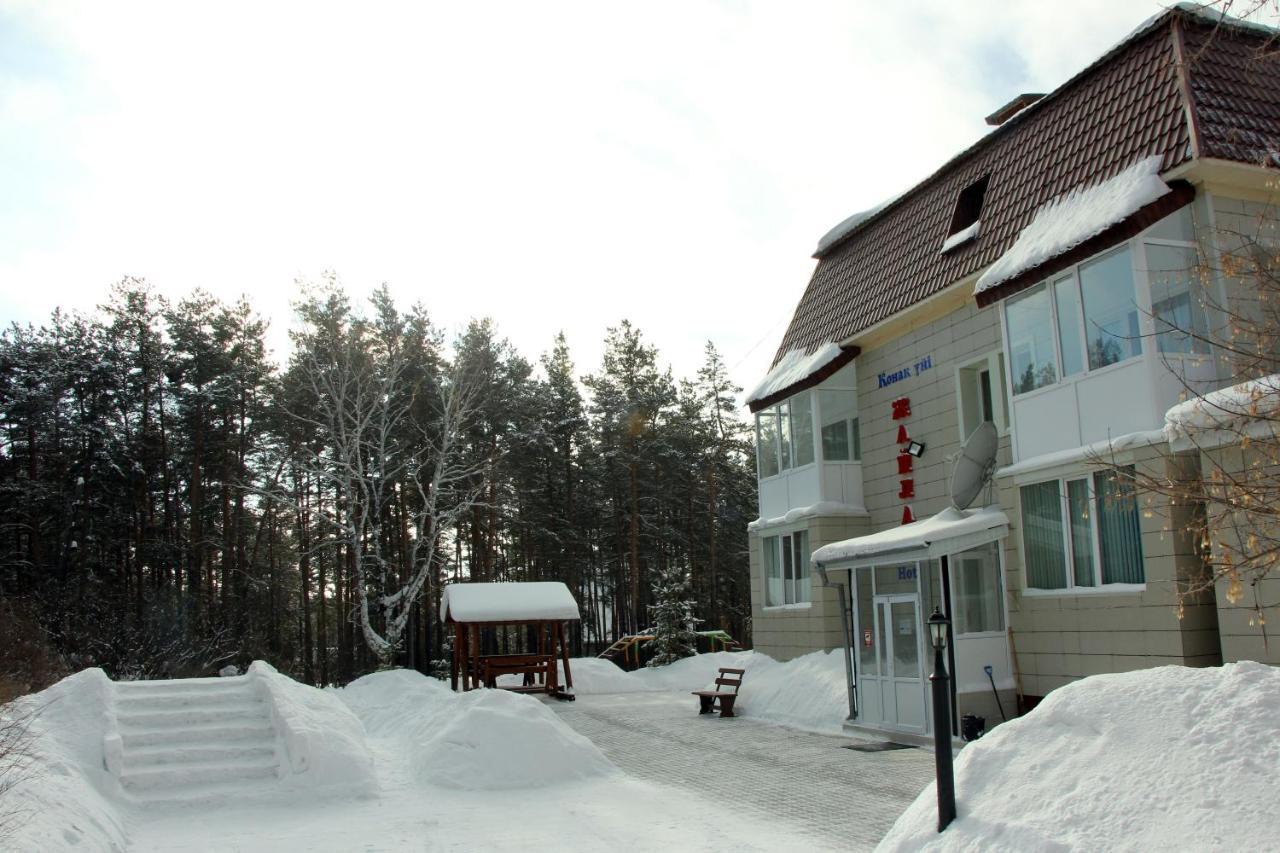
[{"x": 542, "y": 607}]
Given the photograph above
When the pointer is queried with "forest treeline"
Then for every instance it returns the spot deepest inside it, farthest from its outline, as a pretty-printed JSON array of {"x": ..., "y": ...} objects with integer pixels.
[{"x": 171, "y": 501}]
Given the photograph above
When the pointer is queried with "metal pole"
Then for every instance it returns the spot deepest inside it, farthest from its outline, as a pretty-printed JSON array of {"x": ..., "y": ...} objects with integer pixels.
[{"x": 938, "y": 683}]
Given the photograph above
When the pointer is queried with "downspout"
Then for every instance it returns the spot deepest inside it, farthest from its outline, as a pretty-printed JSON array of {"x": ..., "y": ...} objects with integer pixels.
[{"x": 846, "y": 623}]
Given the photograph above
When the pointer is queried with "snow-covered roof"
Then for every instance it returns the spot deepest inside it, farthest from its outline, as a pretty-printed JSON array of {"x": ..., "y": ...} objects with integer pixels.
[
  {"x": 795, "y": 366},
  {"x": 948, "y": 532},
  {"x": 846, "y": 225},
  {"x": 1068, "y": 220},
  {"x": 508, "y": 602},
  {"x": 1227, "y": 408}
]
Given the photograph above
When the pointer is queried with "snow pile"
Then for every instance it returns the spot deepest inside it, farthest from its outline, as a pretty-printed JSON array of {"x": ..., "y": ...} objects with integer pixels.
[
  {"x": 941, "y": 530},
  {"x": 1160, "y": 759},
  {"x": 1229, "y": 408},
  {"x": 1070, "y": 219},
  {"x": 397, "y": 702},
  {"x": 794, "y": 367},
  {"x": 323, "y": 739},
  {"x": 502, "y": 602},
  {"x": 807, "y": 692},
  {"x": 68, "y": 800},
  {"x": 496, "y": 740}
]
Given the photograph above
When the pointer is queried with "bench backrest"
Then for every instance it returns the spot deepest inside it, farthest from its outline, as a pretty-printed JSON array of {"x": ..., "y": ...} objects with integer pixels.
[{"x": 735, "y": 683}]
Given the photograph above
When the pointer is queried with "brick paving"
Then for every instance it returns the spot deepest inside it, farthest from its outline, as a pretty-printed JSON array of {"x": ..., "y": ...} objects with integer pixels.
[{"x": 834, "y": 796}]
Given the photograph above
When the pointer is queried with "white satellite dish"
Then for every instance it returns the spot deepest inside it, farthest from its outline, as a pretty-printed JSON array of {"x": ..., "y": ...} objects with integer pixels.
[{"x": 975, "y": 466}]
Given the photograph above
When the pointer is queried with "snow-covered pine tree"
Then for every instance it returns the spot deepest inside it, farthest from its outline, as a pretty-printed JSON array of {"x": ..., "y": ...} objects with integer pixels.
[{"x": 672, "y": 615}]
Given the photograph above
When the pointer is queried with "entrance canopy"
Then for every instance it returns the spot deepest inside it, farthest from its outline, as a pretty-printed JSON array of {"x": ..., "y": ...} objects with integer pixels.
[
  {"x": 948, "y": 532},
  {"x": 542, "y": 601}
]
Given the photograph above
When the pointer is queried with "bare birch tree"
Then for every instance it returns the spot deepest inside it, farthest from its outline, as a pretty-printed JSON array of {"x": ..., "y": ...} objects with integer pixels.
[{"x": 390, "y": 445}]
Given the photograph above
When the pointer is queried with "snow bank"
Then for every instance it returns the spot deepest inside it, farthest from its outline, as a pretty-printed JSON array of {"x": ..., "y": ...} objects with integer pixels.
[
  {"x": 1229, "y": 408},
  {"x": 1161, "y": 759},
  {"x": 397, "y": 702},
  {"x": 68, "y": 802},
  {"x": 806, "y": 693},
  {"x": 1070, "y": 219},
  {"x": 495, "y": 740},
  {"x": 792, "y": 368},
  {"x": 323, "y": 740}
]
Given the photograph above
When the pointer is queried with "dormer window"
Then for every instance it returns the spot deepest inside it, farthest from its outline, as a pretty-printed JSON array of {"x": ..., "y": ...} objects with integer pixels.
[{"x": 966, "y": 219}]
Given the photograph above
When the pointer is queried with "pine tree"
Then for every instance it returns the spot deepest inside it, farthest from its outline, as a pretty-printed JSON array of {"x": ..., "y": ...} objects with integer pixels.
[{"x": 673, "y": 620}]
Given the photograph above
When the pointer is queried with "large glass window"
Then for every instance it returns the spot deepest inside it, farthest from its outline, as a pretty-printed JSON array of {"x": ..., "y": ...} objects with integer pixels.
[
  {"x": 1067, "y": 302},
  {"x": 767, "y": 442},
  {"x": 784, "y": 436},
  {"x": 1084, "y": 319},
  {"x": 840, "y": 441},
  {"x": 1110, "y": 310},
  {"x": 786, "y": 568},
  {"x": 1180, "y": 319},
  {"x": 977, "y": 591},
  {"x": 1088, "y": 524},
  {"x": 802, "y": 430},
  {"x": 1030, "y": 320}
]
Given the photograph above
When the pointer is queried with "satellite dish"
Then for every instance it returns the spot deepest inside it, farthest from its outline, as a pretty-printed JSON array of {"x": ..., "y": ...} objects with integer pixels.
[{"x": 975, "y": 466}]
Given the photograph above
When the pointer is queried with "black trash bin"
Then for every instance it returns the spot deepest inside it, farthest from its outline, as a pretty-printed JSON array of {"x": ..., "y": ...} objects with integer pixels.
[{"x": 972, "y": 726}]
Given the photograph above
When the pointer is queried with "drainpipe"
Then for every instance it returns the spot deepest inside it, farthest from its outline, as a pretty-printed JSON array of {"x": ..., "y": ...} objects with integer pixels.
[{"x": 846, "y": 622}]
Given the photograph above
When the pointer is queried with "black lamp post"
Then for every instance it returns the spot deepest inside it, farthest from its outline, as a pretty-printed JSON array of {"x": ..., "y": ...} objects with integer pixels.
[{"x": 938, "y": 625}]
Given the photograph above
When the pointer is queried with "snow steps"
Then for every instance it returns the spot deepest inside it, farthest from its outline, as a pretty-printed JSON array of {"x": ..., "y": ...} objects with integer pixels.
[{"x": 187, "y": 739}]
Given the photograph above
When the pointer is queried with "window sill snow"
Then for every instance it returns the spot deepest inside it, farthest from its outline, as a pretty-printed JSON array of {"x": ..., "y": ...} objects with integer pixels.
[
  {"x": 822, "y": 508},
  {"x": 1071, "y": 592}
]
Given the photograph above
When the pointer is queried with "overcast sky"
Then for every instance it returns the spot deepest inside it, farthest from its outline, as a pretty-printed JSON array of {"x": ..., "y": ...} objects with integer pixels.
[{"x": 557, "y": 166}]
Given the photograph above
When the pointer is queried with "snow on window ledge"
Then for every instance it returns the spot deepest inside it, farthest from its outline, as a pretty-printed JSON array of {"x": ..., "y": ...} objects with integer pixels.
[
  {"x": 1225, "y": 409},
  {"x": 773, "y": 608},
  {"x": 1068, "y": 220},
  {"x": 1104, "y": 589},
  {"x": 964, "y": 235}
]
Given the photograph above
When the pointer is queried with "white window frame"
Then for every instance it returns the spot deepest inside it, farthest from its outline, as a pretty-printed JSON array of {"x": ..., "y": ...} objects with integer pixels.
[
  {"x": 814, "y": 429},
  {"x": 1141, "y": 300},
  {"x": 794, "y": 586},
  {"x": 993, "y": 362},
  {"x": 1099, "y": 588}
]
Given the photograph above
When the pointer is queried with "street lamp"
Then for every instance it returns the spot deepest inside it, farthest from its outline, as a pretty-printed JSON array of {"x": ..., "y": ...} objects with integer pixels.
[{"x": 938, "y": 625}]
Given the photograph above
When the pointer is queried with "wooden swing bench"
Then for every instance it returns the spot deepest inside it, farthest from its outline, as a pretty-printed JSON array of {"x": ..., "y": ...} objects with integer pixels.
[{"x": 707, "y": 699}]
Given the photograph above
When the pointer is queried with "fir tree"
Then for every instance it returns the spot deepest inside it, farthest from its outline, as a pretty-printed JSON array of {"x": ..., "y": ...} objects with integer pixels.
[{"x": 673, "y": 618}]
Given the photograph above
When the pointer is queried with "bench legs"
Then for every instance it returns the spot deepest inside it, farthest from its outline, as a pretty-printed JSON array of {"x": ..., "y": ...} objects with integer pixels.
[
  {"x": 726, "y": 705},
  {"x": 704, "y": 704}
]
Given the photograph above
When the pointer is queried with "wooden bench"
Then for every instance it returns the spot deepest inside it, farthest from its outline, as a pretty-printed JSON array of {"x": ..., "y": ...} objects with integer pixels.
[
  {"x": 534, "y": 668},
  {"x": 707, "y": 699}
]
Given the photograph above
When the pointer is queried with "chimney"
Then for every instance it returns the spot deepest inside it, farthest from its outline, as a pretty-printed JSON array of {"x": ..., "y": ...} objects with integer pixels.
[{"x": 1012, "y": 108}]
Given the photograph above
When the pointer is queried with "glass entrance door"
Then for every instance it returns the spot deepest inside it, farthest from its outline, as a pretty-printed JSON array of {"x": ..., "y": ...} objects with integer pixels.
[{"x": 899, "y": 661}]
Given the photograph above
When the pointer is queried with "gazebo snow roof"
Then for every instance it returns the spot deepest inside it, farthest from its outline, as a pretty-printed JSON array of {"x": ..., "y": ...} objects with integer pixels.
[{"x": 538, "y": 601}]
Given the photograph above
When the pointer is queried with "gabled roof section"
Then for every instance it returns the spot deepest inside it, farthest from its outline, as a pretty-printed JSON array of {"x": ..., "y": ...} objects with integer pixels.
[{"x": 1135, "y": 102}]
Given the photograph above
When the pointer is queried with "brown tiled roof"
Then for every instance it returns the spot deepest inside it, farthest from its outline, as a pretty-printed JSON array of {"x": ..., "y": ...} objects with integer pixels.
[
  {"x": 1235, "y": 90},
  {"x": 1127, "y": 105}
]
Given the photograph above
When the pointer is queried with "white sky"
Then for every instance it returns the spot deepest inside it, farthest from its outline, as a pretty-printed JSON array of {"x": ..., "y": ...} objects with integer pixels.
[{"x": 552, "y": 165}]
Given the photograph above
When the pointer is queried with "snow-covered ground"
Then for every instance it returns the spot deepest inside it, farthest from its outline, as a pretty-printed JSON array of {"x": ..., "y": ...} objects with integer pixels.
[{"x": 1171, "y": 758}]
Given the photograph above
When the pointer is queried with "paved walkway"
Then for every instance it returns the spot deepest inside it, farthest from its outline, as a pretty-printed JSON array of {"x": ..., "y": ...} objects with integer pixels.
[{"x": 834, "y": 796}]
